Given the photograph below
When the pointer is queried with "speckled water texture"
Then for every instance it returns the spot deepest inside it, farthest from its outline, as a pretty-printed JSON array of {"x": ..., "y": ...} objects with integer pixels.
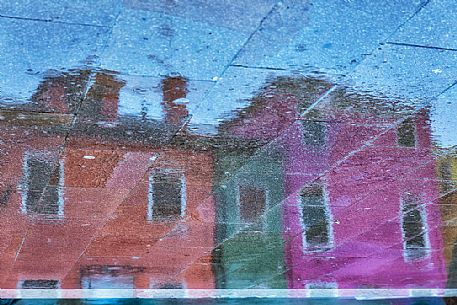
[{"x": 216, "y": 150}]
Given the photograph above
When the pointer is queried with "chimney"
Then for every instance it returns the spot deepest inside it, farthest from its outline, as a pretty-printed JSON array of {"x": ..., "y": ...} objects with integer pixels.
[
  {"x": 56, "y": 93},
  {"x": 109, "y": 88},
  {"x": 174, "y": 90}
]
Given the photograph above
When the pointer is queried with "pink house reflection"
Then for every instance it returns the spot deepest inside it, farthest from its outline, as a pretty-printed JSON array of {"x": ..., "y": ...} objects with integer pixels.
[{"x": 355, "y": 213}]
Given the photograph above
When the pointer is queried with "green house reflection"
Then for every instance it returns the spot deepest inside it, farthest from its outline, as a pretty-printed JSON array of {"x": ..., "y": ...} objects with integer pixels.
[{"x": 249, "y": 236}]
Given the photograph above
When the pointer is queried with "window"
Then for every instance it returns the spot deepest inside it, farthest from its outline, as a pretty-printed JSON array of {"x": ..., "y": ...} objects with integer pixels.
[
  {"x": 108, "y": 277},
  {"x": 180, "y": 289},
  {"x": 414, "y": 229},
  {"x": 40, "y": 284},
  {"x": 316, "y": 219},
  {"x": 252, "y": 201},
  {"x": 42, "y": 185},
  {"x": 6, "y": 195},
  {"x": 446, "y": 169},
  {"x": 322, "y": 289},
  {"x": 166, "y": 285},
  {"x": 107, "y": 281},
  {"x": 167, "y": 195},
  {"x": 321, "y": 285},
  {"x": 314, "y": 133},
  {"x": 406, "y": 134}
]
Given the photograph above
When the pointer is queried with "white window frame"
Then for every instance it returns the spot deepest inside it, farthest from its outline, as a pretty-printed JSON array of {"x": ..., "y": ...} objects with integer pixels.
[
  {"x": 423, "y": 214},
  {"x": 25, "y": 187},
  {"x": 328, "y": 215}
]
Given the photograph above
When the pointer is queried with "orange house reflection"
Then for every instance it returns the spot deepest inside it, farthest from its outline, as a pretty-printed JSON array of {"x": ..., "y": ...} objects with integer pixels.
[{"x": 106, "y": 211}]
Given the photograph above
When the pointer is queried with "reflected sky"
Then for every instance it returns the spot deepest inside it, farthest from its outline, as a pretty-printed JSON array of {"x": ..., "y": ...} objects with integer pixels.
[{"x": 238, "y": 145}]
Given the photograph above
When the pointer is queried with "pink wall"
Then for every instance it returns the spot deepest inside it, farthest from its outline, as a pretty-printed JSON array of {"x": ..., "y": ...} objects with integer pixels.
[{"x": 364, "y": 194}]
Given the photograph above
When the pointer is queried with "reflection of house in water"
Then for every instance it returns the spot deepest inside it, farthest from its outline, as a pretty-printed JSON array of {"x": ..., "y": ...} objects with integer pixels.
[
  {"x": 114, "y": 208},
  {"x": 251, "y": 187},
  {"x": 367, "y": 223},
  {"x": 251, "y": 247},
  {"x": 120, "y": 206}
]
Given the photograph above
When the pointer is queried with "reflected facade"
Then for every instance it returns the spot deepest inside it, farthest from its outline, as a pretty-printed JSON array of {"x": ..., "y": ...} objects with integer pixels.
[{"x": 349, "y": 194}]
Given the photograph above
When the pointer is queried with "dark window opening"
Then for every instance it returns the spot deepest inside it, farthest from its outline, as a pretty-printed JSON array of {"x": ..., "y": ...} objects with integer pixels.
[
  {"x": 445, "y": 172},
  {"x": 171, "y": 286},
  {"x": 42, "y": 178},
  {"x": 314, "y": 133},
  {"x": 40, "y": 284},
  {"x": 316, "y": 218},
  {"x": 167, "y": 195},
  {"x": 6, "y": 195},
  {"x": 406, "y": 134},
  {"x": 414, "y": 230},
  {"x": 252, "y": 203}
]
